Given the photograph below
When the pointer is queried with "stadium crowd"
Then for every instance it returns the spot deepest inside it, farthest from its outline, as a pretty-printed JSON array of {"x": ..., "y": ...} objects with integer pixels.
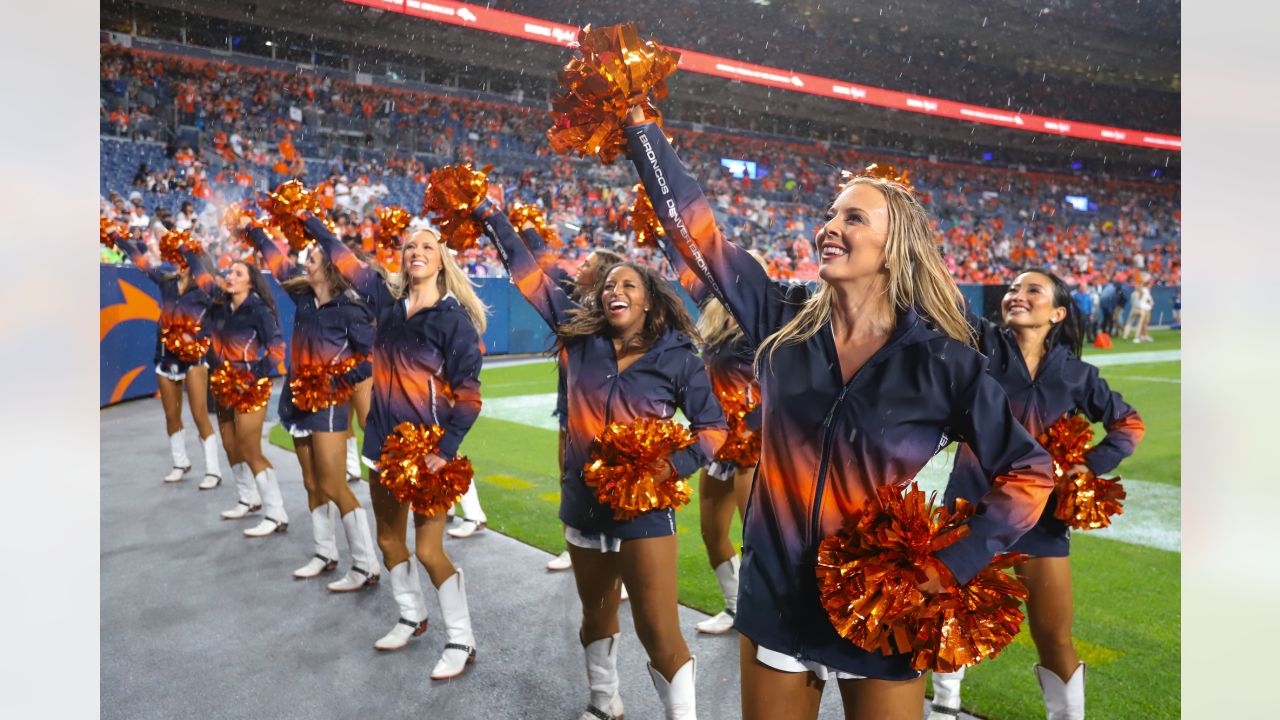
[{"x": 254, "y": 128}]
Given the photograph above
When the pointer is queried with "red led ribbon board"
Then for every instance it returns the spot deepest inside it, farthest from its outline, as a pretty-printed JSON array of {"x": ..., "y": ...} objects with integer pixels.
[{"x": 530, "y": 28}]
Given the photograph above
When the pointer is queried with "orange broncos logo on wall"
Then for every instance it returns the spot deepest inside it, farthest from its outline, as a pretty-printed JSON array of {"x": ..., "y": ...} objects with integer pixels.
[{"x": 137, "y": 305}]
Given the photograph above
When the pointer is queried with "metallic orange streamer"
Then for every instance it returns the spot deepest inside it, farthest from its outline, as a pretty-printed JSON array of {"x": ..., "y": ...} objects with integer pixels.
[
  {"x": 742, "y": 447},
  {"x": 284, "y": 204},
  {"x": 235, "y": 387},
  {"x": 521, "y": 214},
  {"x": 625, "y": 463},
  {"x": 173, "y": 243},
  {"x": 181, "y": 336},
  {"x": 453, "y": 192},
  {"x": 884, "y": 172},
  {"x": 643, "y": 220},
  {"x": 109, "y": 227},
  {"x": 616, "y": 71},
  {"x": 404, "y": 470},
  {"x": 966, "y": 624},
  {"x": 1084, "y": 501},
  {"x": 392, "y": 221},
  {"x": 317, "y": 386}
]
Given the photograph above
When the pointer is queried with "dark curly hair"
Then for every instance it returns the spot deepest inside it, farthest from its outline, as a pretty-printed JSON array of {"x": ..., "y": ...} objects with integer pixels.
[{"x": 666, "y": 310}]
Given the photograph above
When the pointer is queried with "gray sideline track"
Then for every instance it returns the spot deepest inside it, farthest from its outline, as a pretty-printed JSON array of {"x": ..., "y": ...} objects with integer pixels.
[{"x": 198, "y": 621}]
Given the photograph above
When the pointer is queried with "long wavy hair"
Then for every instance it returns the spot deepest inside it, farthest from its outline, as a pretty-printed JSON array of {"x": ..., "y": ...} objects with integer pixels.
[
  {"x": 716, "y": 326},
  {"x": 337, "y": 284},
  {"x": 666, "y": 310},
  {"x": 450, "y": 279},
  {"x": 917, "y": 276},
  {"x": 258, "y": 285},
  {"x": 606, "y": 260},
  {"x": 1069, "y": 332}
]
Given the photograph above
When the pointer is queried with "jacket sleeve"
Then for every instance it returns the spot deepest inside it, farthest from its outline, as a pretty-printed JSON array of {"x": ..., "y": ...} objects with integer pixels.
[
  {"x": 546, "y": 259},
  {"x": 137, "y": 254},
  {"x": 361, "y": 330},
  {"x": 461, "y": 349},
  {"x": 211, "y": 285},
  {"x": 1124, "y": 426},
  {"x": 687, "y": 278},
  {"x": 696, "y": 398},
  {"x": 1021, "y": 475},
  {"x": 367, "y": 282},
  {"x": 551, "y": 303},
  {"x": 278, "y": 261},
  {"x": 272, "y": 361},
  {"x": 728, "y": 271}
]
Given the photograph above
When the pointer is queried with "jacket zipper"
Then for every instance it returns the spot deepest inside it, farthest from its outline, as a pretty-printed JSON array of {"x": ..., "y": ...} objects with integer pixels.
[{"x": 828, "y": 425}]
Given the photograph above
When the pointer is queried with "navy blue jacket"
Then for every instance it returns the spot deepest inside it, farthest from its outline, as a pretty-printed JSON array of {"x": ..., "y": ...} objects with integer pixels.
[
  {"x": 193, "y": 304},
  {"x": 542, "y": 253},
  {"x": 247, "y": 336},
  {"x": 828, "y": 445},
  {"x": 668, "y": 376}
]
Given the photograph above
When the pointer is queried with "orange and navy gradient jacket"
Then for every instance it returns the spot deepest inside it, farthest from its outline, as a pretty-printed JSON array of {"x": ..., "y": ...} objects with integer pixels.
[
  {"x": 322, "y": 334},
  {"x": 426, "y": 368},
  {"x": 828, "y": 443},
  {"x": 669, "y": 376},
  {"x": 192, "y": 305},
  {"x": 1063, "y": 385},
  {"x": 248, "y": 336},
  {"x": 538, "y": 247}
]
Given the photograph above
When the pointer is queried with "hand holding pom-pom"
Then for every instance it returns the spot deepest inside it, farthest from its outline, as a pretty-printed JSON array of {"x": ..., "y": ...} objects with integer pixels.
[
  {"x": 174, "y": 243},
  {"x": 453, "y": 192},
  {"x": 181, "y": 336},
  {"x": 392, "y": 221},
  {"x": 742, "y": 446},
  {"x": 413, "y": 471},
  {"x": 236, "y": 387},
  {"x": 616, "y": 72},
  {"x": 630, "y": 470},
  {"x": 316, "y": 386},
  {"x": 522, "y": 215},
  {"x": 1083, "y": 500},
  {"x": 108, "y": 228},
  {"x": 289, "y": 201}
]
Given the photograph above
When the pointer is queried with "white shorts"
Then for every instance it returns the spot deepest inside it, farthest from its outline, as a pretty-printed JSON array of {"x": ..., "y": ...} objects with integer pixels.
[
  {"x": 592, "y": 540},
  {"x": 722, "y": 470},
  {"x": 787, "y": 663},
  {"x": 297, "y": 432},
  {"x": 171, "y": 373}
]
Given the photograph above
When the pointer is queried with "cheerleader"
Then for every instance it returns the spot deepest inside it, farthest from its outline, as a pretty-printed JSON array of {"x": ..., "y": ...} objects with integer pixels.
[
  {"x": 246, "y": 337},
  {"x": 181, "y": 303},
  {"x": 330, "y": 327},
  {"x": 724, "y": 485},
  {"x": 1035, "y": 356},
  {"x": 426, "y": 371},
  {"x": 628, "y": 354},
  {"x": 861, "y": 383}
]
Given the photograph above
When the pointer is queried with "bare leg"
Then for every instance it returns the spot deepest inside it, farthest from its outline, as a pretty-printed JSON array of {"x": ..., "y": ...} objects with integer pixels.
[
  {"x": 227, "y": 428},
  {"x": 305, "y": 449},
  {"x": 648, "y": 568},
  {"x": 249, "y": 439},
  {"x": 887, "y": 699},
  {"x": 198, "y": 394},
  {"x": 429, "y": 544},
  {"x": 769, "y": 693},
  {"x": 392, "y": 520},
  {"x": 171, "y": 399},
  {"x": 329, "y": 451},
  {"x": 742, "y": 489},
  {"x": 715, "y": 508},
  {"x": 599, "y": 582},
  {"x": 1049, "y": 611}
]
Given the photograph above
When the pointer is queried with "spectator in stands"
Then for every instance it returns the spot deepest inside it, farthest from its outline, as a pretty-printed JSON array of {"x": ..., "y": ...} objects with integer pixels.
[{"x": 1084, "y": 306}]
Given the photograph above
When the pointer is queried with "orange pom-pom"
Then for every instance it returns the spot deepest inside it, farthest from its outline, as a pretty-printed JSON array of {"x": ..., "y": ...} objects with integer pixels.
[
  {"x": 884, "y": 172},
  {"x": 236, "y": 387},
  {"x": 742, "y": 447},
  {"x": 317, "y": 386},
  {"x": 625, "y": 463},
  {"x": 643, "y": 220},
  {"x": 392, "y": 221},
  {"x": 616, "y": 71},
  {"x": 453, "y": 192},
  {"x": 403, "y": 470},
  {"x": 283, "y": 205},
  {"x": 181, "y": 336},
  {"x": 521, "y": 214},
  {"x": 966, "y": 624},
  {"x": 173, "y": 243},
  {"x": 1084, "y": 500},
  {"x": 232, "y": 216},
  {"x": 107, "y": 228}
]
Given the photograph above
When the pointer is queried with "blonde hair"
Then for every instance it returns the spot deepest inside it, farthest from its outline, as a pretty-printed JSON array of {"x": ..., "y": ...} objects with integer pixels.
[
  {"x": 450, "y": 279},
  {"x": 713, "y": 321},
  {"x": 917, "y": 276}
]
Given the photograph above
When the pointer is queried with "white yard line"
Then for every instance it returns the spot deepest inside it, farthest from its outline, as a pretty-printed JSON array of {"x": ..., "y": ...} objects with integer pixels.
[{"x": 1133, "y": 358}]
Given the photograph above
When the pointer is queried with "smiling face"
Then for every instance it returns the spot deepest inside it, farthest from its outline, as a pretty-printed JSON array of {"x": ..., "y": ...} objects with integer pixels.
[
  {"x": 587, "y": 271},
  {"x": 420, "y": 256},
  {"x": 1028, "y": 303},
  {"x": 314, "y": 266},
  {"x": 238, "y": 280},
  {"x": 625, "y": 301},
  {"x": 851, "y": 244}
]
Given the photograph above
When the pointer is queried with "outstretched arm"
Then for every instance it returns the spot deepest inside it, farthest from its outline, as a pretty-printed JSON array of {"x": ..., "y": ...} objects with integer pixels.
[
  {"x": 540, "y": 290},
  {"x": 363, "y": 278}
]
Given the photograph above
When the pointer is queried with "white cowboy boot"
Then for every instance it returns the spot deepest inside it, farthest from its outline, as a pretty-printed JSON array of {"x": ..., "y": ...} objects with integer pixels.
[
  {"x": 249, "y": 501},
  {"x": 727, "y": 576},
  {"x": 212, "y": 467},
  {"x": 178, "y": 453},
  {"x": 274, "y": 518},
  {"x": 460, "y": 646},
  {"x": 364, "y": 564},
  {"x": 475, "y": 519},
  {"x": 560, "y": 562},
  {"x": 602, "y": 677},
  {"x": 1062, "y": 700},
  {"x": 677, "y": 696},
  {"x": 323, "y": 519},
  {"x": 354, "y": 471},
  {"x": 413, "y": 609},
  {"x": 946, "y": 695}
]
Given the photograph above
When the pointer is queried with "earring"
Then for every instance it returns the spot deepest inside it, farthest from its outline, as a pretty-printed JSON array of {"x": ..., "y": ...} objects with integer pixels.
[{"x": 886, "y": 266}]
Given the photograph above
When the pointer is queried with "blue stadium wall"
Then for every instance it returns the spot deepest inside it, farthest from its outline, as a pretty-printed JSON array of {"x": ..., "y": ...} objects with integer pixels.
[{"x": 129, "y": 308}]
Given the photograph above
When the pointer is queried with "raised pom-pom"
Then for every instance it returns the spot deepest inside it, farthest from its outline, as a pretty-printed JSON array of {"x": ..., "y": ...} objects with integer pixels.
[{"x": 453, "y": 192}]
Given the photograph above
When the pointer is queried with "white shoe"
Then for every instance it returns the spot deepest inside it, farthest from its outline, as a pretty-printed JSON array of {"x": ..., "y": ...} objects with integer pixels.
[
  {"x": 560, "y": 562},
  {"x": 212, "y": 468},
  {"x": 625, "y": 595},
  {"x": 1062, "y": 700},
  {"x": 364, "y": 564},
  {"x": 467, "y": 529},
  {"x": 354, "y": 471},
  {"x": 247, "y": 491},
  {"x": 265, "y": 527},
  {"x": 727, "y": 576},
  {"x": 178, "y": 452},
  {"x": 602, "y": 678},
  {"x": 326, "y": 538},
  {"x": 460, "y": 650},
  {"x": 413, "y": 609},
  {"x": 272, "y": 500},
  {"x": 946, "y": 695},
  {"x": 677, "y": 696}
]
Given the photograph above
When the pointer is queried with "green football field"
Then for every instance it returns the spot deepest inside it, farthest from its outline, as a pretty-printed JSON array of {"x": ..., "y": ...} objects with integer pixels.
[{"x": 1126, "y": 578}]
